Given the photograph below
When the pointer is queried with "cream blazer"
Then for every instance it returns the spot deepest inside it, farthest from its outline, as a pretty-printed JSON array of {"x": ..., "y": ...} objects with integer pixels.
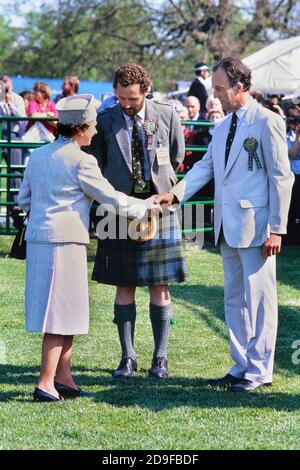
[{"x": 247, "y": 204}]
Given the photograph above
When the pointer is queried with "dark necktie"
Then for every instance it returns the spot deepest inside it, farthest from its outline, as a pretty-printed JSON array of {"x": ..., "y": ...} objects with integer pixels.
[
  {"x": 230, "y": 136},
  {"x": 137, "y": 154}
]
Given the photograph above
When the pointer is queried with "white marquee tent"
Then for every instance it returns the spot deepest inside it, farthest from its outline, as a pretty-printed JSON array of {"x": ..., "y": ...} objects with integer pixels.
[{"x": 276, "y": 68}]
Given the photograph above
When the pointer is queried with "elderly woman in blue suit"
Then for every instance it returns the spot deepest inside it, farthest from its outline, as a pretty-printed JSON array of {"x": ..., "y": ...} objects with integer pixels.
[{"x": 59, "y": 185}]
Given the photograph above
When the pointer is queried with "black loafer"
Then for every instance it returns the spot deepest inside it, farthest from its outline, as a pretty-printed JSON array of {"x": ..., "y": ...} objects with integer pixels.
[
  {"x": 224, "y": 382},
  {"x": 40, "y": 395},
  {"x": 68, "y": 392},
  {"x": 245, "y": 385},
  {"x": 159, "y": 368},
  {"x": 126, "y": 368}
]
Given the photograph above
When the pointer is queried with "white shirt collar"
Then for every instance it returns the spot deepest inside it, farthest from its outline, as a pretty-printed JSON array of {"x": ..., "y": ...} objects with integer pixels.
[
  {"x": 242, "y": 111},
  {"x": 201, "y": 79}
]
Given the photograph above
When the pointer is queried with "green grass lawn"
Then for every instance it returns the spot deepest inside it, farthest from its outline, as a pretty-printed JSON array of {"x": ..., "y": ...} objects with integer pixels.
[{"x": 143, "y": 413}]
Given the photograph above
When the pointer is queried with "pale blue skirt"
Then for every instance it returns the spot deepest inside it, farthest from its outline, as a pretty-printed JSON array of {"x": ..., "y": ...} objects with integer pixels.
[{"x": 56, "y": 291}]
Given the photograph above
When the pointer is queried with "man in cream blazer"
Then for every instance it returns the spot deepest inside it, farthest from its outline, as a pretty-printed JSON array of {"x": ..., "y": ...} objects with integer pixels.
[{"x": 252, "y": 197}]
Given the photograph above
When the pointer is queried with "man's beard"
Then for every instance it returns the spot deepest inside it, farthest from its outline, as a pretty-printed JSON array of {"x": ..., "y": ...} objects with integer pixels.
[
  {"x": 130, "y": 111},
  {"x": 133, "y": 110}
]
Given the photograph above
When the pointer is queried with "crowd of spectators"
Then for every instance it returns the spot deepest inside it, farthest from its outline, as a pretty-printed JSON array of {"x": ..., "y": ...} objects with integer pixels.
[{"x": 32, "y": 103}]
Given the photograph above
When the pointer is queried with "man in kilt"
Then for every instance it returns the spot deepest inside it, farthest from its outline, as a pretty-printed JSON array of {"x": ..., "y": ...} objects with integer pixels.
[{"x": 139, "y": 146}]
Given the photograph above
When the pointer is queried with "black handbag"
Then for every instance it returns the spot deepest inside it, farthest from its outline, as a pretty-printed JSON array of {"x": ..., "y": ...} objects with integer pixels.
[{"x": 18, "y": 248}]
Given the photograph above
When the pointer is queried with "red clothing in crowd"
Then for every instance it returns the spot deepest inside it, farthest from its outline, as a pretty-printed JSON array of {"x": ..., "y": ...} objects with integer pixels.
[{"x": 35, "y": 107}]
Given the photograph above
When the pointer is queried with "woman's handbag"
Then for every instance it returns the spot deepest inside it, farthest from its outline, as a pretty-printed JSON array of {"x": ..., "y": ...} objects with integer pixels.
[{"x": 18, "y": 248}]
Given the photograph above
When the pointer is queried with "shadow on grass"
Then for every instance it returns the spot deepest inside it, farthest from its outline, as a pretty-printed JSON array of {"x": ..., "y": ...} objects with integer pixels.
[
  {"x": 148, "y": 393},
  {"x": 195, "y": 296},
  {"x": 22, "y": 375},
  {"x": 210, "y": 298},
  {"x": 191, "y": 393}
]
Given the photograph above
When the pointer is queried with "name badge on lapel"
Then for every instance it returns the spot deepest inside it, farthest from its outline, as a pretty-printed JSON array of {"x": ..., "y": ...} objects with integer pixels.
[{"x": 162, "y": 154}]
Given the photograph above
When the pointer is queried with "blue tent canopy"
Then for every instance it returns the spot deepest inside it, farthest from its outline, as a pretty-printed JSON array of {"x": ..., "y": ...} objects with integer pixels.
[{"x": 98, "y": 89}]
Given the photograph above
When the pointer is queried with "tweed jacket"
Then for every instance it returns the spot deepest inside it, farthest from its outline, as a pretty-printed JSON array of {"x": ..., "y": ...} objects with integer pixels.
[
  {"x": 248, "y": 204},
  {"x": 60, "y": 183},
  {"x": 111, "y": 146}
]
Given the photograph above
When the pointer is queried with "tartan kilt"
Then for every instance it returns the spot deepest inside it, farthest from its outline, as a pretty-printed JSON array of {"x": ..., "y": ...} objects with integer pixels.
[{"x": 156, "y": 262}]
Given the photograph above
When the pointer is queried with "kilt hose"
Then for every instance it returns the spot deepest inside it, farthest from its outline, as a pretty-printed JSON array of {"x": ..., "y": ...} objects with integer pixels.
[{"x": 156, "y": 262}]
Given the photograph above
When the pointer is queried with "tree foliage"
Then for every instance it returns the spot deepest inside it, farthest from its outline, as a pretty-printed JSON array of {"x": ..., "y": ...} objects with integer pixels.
[
  {"x": 90, "y": 38},
  {"x": 7, "y": 37},
  {"x": 225, "y": 27},
  {"x": 87, "y": 37}
]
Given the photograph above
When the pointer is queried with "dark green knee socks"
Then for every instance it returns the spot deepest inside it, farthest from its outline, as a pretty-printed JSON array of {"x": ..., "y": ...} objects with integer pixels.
[
  {"x": 160, "y": 320},
  {"x": 125, "y": 319}
]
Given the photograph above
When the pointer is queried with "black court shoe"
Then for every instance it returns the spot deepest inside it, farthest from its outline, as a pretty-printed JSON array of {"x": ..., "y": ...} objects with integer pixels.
[
  {"x": 40, "y": 395},
  {"x": 68, "y": 392}
]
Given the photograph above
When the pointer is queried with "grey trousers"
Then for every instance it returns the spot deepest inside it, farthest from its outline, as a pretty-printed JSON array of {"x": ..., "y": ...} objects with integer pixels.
[{"x": 251, "y": 311}]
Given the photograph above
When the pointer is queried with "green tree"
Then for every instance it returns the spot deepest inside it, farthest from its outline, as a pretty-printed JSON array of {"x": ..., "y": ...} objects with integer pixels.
[
  {"x": 91, "y": 38},
  {"x": 7, "y": 38},
  {"x": 225, "y": 27},
  {"x": 84, "y": 37}
]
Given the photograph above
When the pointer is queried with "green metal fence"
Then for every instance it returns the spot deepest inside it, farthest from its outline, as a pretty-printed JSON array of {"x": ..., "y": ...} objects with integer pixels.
[
  {"x": 204, "y": 201},
  {"x": 9, "y": 171}
]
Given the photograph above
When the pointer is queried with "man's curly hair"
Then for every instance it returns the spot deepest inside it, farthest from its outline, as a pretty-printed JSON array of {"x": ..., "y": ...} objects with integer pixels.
[{"x": 132, "y": 74}]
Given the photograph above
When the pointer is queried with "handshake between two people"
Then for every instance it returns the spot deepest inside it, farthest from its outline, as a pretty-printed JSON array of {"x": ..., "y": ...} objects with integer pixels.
[
  {"x": 144, "y": 228},
  {"x": 159, "y": 202}
]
